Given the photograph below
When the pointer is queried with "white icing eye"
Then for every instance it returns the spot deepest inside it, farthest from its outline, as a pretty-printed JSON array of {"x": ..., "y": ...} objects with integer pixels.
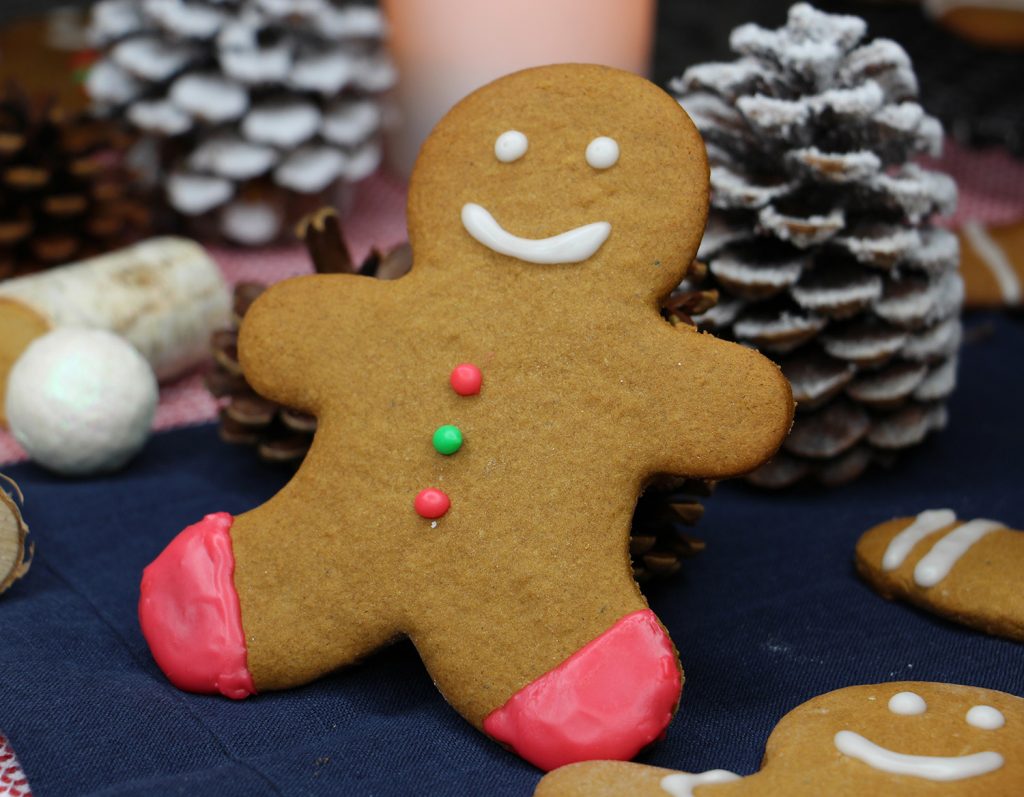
[
  {"x": 986, "y": 718},
  {"x": 602, "y": 152},
  {"x": 510, "y": 146},
  {"x": 908, "y": 703}
]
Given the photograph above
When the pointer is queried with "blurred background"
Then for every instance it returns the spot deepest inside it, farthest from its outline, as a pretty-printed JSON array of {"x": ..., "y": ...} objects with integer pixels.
[{"x": 969, "y": 85}]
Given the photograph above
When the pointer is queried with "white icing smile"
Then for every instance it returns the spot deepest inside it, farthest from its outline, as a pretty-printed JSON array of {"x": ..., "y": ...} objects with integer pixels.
[
  {"x": 572, "y": 246},
  {"x": 919, "y": 766}
]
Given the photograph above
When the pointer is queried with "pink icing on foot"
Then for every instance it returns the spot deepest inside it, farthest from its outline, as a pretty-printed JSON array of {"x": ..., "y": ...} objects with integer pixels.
[
  {"x": 608, "y": 700},
  {"x": 190, "y": 614}
]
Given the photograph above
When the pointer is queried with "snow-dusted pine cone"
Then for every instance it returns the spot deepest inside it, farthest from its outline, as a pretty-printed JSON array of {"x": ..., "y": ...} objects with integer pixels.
[
  {"x": 820, "y": 239},
  {"x": 254, "y": 111}
]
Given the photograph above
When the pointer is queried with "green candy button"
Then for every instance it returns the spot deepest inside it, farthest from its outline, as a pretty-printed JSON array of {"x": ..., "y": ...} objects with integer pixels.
[{"x": 447, "y": 439}]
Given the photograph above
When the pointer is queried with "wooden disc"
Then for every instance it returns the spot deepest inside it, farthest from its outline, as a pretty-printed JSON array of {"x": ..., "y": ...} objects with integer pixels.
[{"x": 12, "y": 542}]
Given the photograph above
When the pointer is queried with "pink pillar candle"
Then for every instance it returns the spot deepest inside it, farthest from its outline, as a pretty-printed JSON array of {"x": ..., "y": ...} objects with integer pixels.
[{"x": 444, "y": 49}]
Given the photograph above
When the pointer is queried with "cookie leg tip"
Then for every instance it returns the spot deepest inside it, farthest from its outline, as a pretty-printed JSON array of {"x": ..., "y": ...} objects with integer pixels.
[
  {"x": 609, "y": 700},
  {"x": 190, "y": 613}
]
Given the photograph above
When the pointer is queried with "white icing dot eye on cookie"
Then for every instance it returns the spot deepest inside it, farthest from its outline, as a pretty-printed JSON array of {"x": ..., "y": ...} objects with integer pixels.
[
  {"x": 510, "y": 146},
  {"x": 986, "y": 718},
  {"x": 602, "y": 152},
  {"x": 907, "y": 703}
]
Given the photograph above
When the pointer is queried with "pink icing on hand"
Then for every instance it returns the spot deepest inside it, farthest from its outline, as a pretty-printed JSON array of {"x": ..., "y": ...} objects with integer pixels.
[
  {"x": 190, "y": 614},
  {"x": 608, "y": 700}
]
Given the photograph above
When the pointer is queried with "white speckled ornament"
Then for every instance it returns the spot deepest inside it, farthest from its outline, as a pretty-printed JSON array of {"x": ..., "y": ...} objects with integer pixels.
[{"x": 81, "y": 401}]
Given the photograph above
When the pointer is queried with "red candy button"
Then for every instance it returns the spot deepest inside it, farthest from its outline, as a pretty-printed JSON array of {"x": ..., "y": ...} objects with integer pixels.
[
  {"x": 431, "y": 503},
  {"x": 466, "y": 379}
]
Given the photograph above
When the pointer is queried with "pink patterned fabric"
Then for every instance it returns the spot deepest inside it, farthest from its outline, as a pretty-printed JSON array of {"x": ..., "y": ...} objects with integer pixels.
[
  {"x": 990, "y": 193},
  {"x": 13, "y": 782},
  {"x": 989, "y": 183},
  {"x": 376, "y": 219}
]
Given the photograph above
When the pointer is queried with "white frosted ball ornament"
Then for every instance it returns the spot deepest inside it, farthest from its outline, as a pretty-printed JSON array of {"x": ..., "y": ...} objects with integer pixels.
[{"x": 81, "y": 401}]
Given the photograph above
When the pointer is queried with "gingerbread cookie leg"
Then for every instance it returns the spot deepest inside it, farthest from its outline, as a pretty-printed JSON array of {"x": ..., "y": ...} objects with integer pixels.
[
  {"x": 608, "y": 699},
  {"x": 205, "y": 641},
  {"x": 573, "y": 674},
  {"x": 969, "y": 572},
  {"x": 190, "y": 615}
]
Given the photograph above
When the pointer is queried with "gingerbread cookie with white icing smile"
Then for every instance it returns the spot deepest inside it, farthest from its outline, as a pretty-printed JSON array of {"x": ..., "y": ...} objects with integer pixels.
[
  {"x": 907, "y": 739},
  {"x": 485, "y": 425}
]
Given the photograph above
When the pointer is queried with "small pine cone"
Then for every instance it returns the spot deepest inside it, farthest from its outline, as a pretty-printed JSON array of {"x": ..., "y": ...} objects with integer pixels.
[
  {"x": 659, "y": 538},
  {"x": 820, "y": 240},
  {"x": 252, "y": 112},
  {"x": 64, "y": 193}
]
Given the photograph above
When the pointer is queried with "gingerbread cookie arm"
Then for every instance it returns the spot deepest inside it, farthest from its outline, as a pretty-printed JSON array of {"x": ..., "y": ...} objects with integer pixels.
[
  {"x": 969, "y": 572},
  {"x": 283, "y": 335},
  {"x": 730, "y": 408}
]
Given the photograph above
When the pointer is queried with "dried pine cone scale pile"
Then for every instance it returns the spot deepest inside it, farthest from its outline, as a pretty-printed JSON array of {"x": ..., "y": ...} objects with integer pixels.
[
  {"x": 246, "y": 105},
  {"x": 63, "y": 192},
  {"x": 821, "y": 242}
]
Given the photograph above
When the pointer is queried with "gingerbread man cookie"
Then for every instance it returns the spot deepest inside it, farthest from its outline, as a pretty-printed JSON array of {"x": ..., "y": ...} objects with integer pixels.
[
  {"x": 897, "y": 739},
  {"x": 486, "y": 424},
  {"x": 971, "y": 572}
]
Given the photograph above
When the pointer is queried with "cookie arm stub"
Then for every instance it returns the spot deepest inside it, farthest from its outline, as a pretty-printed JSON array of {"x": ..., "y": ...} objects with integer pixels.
[
  {"x": 608, "y": 700},
  {"x": 190, "y": 613},
  {"x": 731, "y": 407}
]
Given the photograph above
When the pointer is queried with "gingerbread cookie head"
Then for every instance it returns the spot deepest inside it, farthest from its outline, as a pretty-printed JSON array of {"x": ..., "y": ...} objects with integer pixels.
[
  {"x": 574, "y": 167},
  {"x": 904, "y": 739},
  {"x": 485, "y": 426}
]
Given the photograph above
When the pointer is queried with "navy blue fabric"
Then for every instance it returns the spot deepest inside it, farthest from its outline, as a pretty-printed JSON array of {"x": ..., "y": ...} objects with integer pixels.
[{"x": 771, "y": 614}]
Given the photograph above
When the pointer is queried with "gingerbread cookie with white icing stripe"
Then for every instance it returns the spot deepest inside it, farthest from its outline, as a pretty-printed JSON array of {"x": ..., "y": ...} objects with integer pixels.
[
  {"x": 989, "y": 23},
  {"x": 992, "y": 264},
  {"x": 969, "y": 572},
  {"x": 908, "y": 739}
]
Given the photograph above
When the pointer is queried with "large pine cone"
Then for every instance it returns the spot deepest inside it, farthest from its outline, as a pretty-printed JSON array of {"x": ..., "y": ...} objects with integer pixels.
[
  {"x": 820, "y": 239},
  {"x": 246, "y": 106}
]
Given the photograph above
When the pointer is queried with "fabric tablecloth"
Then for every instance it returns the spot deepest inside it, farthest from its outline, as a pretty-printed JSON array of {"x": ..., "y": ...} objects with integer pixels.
[{"x": 771, "y": 614}]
